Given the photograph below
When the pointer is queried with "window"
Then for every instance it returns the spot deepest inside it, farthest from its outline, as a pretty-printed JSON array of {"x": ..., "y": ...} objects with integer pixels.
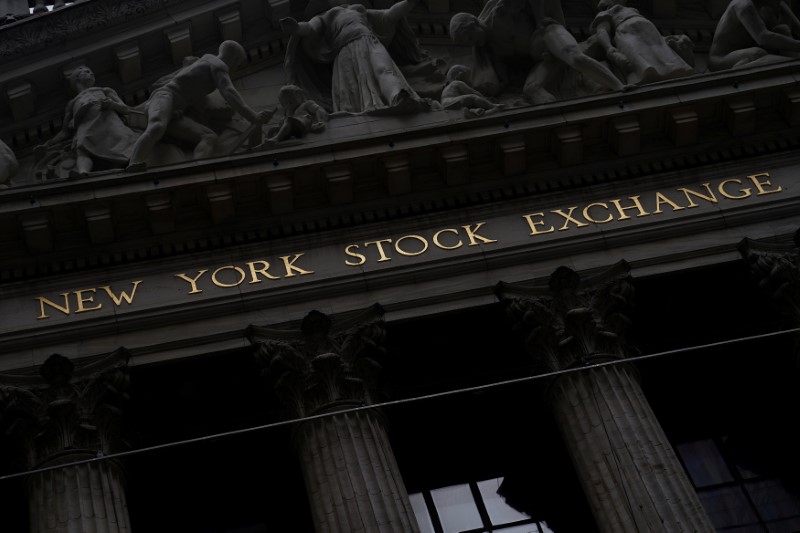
[
  {"x": 737, "y": 495},
  {"x": 474, "y": 507}
]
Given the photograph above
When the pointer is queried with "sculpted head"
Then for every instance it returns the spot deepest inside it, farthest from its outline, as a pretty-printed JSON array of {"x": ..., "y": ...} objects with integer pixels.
[
  {"x": 458, "y": 73},
  {"x": 232, "y": 54},
  {"x": 290, "y": 97},
  {"x": 465, "y": 28},
  {"x": 80, "y": 78}
]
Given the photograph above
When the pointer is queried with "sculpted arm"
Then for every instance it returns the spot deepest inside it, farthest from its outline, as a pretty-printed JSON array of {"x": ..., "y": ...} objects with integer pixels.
[
  {"x": 234, "y": 99},
  {"x": 318, "y": 112},
  {"x": 791, "y": 16},
  {"x": 602, "y": 31},
  {"x": 66, "y": 129},
  {"x": 399, "y": 10},
  {"x": 115, "y": 102},
  {"x": 751, "y": 20},
  {"x": 302, "y": 29}
]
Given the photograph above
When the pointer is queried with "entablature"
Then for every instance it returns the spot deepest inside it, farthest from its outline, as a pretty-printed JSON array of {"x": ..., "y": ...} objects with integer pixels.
[{"x": 365, "y": 168}]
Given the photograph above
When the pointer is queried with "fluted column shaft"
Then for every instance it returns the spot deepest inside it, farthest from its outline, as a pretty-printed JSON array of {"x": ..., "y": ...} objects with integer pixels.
[
  {"x": 628, "y": 470},
  {"x": 85, "y": 498},
  {"x": 352, "y": 478}
]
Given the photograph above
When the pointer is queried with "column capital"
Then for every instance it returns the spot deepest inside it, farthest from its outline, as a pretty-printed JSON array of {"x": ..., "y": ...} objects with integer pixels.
[
  {"x": 325, "y": 362},
  {"x": 775, "y": 267},
  {"x": 572, "y": 320},
  {"x": 69, "y": 406}
]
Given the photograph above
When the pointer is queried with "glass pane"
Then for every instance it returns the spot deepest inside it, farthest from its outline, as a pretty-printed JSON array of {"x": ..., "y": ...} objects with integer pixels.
[
  {"x": 772, "y": 500},
  {"x": 526, "y": 528},
  {"x": 456, "y": 508},
  {"x": 727, "y": 507},
  {"x": 744, "y": 461},
  {"x": 704, "y": 463},
  {"x": 499, "y": 511},
  {"x": 421, "y": 512},
  {"x": 791, "y": 525}
]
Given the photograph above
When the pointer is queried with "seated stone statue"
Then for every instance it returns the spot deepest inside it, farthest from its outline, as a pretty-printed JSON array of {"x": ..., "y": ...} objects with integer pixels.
[
  {"x": 302, "y": 115},
  {"x": 348, "y": 58},
  {"x": 190, "y": 87},
  {"x": 754, "y": 32},
  {"x": 635, "y": 45},
  {"x": 457, "y": 94},
  {"x": 511, "y": 36},
  {"x": 8, "y": 165},
  {"x": 92, "y": 132}
]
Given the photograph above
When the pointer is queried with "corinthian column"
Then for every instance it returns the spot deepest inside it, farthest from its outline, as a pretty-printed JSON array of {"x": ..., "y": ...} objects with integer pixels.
[
  {"x": 775, "y": 267},
  {"x": 69, "y": 414},
  {"x": 351, "y": 476},
  {"x": 629, "y": 472}
]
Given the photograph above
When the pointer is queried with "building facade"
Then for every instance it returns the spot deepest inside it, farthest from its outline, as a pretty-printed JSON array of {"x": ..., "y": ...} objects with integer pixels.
[{"x": 444, "y": 266}]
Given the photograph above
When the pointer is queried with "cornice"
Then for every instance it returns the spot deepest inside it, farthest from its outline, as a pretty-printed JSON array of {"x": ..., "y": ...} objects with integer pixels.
[{"x": 76, "y": 20}]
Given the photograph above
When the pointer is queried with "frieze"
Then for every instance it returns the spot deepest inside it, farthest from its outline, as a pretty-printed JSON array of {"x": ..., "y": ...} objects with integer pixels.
[
  {"x": 381, "y": 251},
  {"x": 514, "y": 54}
]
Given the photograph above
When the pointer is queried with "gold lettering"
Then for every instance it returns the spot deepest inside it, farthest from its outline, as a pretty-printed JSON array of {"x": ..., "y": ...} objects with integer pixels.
[
  {"x": 661, "y": 199},
  {"x": 218, "y": 283},
  {"x": 192, "y": 281},
  {"x": 290, "y": 266},
  {"x": 745, "y": 192},
  {"x": 568, "y": 218},
  {"x": 636, "y": 205},
  {"x": 443, "y": 247},
  {"x": 411, "y": 254},
  {"x": 591, "y": 219},
  {"x": 689, "y": 193},
  {"x": 760, "y": 184},
  {"x": 473, "y": 234},
  {"x": 122, "y": 295},
  {"x": 255, "y": 271},
  {"x": 379, "y": 244},
  {"x": 44, "y": 301},
  {"x": 85, "y": 299},
  {"x": 361, "y": 258},
  {"x": 532, "y": 224}
]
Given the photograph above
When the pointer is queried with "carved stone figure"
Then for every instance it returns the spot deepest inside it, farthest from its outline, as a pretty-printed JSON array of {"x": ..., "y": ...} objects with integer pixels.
[
  {"x": 190, "y": 86},
  {"x": 8, "y": 165},
  {"x": 342, "y": 58},
  {"x": 754, "y": 32},
  {"x": 511, "y": 36},
  {"x": 458, "y": 94},
  {"x": 635, "y": 45},
  {"x": 93, "y": 131},
  {"x": 302, "y": 115}
]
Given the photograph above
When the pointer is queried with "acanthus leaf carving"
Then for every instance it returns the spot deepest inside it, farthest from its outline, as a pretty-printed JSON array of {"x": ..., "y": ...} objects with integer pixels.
[
  {"x": 63, "y": 411},
  {"x": 572, "y": 321},
  {"x": 775, "y": 268},
  {"x": 323, "y": 364}
]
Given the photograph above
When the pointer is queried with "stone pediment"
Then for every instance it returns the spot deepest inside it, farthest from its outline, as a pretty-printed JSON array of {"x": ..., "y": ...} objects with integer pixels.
[{"x": 438, "y": 159}]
